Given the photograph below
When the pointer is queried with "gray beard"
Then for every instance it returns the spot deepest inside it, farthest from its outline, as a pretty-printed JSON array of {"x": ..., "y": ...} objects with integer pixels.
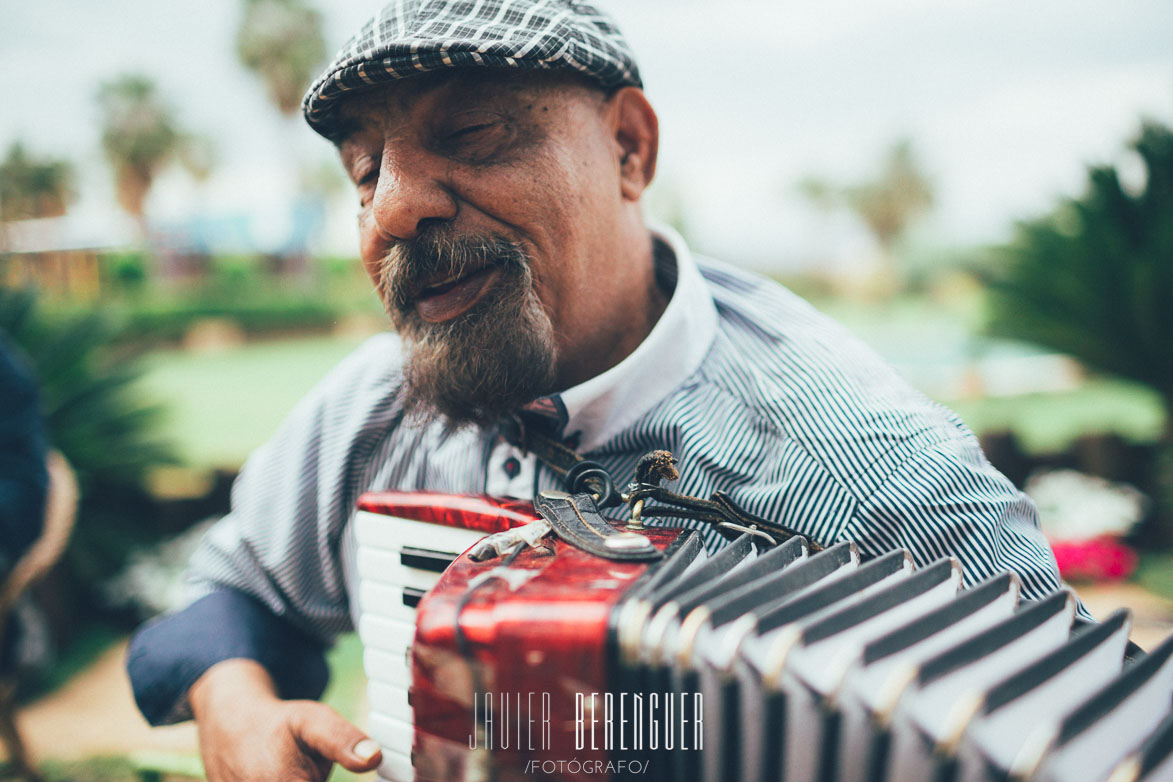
[{"x": 485, "y": 363}]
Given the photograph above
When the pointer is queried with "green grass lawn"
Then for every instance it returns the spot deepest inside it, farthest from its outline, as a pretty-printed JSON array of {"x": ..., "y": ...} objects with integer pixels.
[
  {"x": 1155, "y": 573},
  {"x": 920, "y": 330},
  {"x": 1047, "y": 423},
  {"x": 221, "y": 405}
]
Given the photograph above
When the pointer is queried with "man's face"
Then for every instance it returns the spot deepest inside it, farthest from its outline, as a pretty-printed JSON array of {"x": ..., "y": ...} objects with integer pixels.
[{"x": 488, "y": 207}]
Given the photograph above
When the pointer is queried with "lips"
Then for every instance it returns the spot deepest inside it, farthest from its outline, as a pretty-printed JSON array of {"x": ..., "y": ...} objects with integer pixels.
[{"x": 453, "y": 297}]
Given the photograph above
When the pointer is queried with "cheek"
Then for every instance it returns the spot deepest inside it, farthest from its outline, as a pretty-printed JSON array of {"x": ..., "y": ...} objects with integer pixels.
[{"x": 372, "y": 251}]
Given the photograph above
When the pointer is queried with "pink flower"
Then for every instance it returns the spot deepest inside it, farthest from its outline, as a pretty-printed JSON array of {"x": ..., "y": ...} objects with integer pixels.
[{"x": 1103, "y": 558}]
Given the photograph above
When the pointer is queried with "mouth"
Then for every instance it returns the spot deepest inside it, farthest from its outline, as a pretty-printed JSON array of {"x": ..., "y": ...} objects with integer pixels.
[{"x": 452, "y": 297}]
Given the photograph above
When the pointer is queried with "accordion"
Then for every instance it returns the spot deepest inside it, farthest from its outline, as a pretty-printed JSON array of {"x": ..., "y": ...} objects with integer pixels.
[{"x": 754, "y": 663}]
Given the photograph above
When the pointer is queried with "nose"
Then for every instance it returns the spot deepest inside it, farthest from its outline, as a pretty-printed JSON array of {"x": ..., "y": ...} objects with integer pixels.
[{"x": 411, "y": 193}]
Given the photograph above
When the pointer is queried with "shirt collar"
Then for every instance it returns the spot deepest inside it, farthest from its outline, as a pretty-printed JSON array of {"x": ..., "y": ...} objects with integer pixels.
[{"x": 596, "y": 410}]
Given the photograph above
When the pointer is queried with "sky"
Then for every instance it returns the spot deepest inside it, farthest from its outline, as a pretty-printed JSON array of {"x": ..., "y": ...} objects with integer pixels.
[{"x": 1006, "y": 103}]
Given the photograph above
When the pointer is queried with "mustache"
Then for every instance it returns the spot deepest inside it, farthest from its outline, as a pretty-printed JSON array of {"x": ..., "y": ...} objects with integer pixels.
[{"x": 413, "y": 265}]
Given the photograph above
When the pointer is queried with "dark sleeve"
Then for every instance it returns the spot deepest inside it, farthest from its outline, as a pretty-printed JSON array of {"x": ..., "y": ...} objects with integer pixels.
[
  {"x": 24, "y": 479},
  {"x": 267, "y": 581},
  {"x": 168, "y": 655}
]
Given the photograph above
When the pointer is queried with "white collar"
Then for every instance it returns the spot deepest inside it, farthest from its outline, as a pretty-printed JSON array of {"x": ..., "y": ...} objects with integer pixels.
[{"x": 606, "y": 404}]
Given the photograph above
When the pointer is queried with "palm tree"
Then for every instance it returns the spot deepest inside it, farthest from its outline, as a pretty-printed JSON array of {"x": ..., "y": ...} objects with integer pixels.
[
  {"x": 887, "y": 204},
  {"x": 139, "y": 135},
  {"x": 892, "y": 201},
  {"x": 31, "y": 188},
  {"x": 282, "y": 41}
]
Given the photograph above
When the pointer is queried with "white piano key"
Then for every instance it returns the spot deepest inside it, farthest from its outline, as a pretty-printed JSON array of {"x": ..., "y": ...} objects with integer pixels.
[
  {"x": 389, "y": 700},
  {"x": 388, "y": 667},
  {"x": 385, "y": 601},
  {"x": 386, "y": 634},
  {"x": 396, "y": 766},
  {"x": 385, "y": 567},
  {"x": 393, "y": 734},
  {"x": 392, "y": 534}
]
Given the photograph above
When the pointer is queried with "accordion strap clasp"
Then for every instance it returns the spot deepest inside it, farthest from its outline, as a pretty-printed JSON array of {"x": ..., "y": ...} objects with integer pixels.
[
  {"x": 578, "y": 522},
  {"x": 575, "y": 519}
]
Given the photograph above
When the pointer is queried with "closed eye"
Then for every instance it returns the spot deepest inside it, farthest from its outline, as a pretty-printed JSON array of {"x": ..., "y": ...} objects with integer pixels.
[
  {"x": 470, "y": 130},
  {"x": 366, "y": 176},
  {"x": 475, "y": 137}
]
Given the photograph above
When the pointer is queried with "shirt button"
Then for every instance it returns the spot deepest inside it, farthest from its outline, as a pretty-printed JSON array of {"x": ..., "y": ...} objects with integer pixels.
[{"x": 512, "y": 467}]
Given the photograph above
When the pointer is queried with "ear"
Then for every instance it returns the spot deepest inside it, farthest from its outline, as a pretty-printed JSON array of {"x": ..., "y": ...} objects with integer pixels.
[{"x": 637, "y": 136}]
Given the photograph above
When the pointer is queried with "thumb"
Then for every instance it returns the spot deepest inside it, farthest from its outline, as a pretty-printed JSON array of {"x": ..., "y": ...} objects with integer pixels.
[{"x": 321, "y": 729}]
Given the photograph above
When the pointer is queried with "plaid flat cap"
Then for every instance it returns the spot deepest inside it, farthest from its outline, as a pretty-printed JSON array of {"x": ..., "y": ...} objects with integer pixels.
[{"x": 415, "y": 36}]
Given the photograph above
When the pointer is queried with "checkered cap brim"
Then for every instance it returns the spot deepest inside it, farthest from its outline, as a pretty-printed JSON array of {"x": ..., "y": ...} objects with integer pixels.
[{"x": 415, "y": 36}]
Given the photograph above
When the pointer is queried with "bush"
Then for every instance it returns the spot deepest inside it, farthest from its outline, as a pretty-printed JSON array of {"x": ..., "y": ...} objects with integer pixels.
[
  {"x": 1094, "y": 280},
  {"x": 169, "y": 321},
  {"x": 96, "y": 419},
  {"x": 128, "y": 270}
]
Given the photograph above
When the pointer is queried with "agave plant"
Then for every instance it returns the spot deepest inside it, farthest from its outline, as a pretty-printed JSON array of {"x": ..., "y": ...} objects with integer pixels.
[
  {"x": 1094, "y": 279},
  {"x": 97, "y": 420}
]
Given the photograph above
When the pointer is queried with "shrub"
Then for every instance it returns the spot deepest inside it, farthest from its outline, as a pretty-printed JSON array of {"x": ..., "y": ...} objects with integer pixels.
[{"x": 96, "y": 419}]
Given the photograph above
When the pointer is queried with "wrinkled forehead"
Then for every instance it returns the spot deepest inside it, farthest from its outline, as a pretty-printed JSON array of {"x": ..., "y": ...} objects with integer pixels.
[{"x": 413, "y": 99}]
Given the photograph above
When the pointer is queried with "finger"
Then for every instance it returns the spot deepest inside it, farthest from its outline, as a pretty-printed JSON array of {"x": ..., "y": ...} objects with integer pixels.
[{"x": 329, "y": 734}]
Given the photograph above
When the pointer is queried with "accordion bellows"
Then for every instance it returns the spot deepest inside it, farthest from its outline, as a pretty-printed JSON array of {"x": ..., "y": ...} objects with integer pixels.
[{"x": 760, "y": 664}]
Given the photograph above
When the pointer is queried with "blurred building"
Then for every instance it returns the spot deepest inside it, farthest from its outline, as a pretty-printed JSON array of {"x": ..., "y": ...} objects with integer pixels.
[{"x": 63, "y": 256}]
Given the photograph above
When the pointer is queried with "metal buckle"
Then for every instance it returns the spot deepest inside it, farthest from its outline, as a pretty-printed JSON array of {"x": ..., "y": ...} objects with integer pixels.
[{"x": 749, "y": 530}]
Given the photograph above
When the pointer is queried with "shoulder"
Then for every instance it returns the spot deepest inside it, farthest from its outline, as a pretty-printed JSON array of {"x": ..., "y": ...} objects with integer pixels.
[
  {"x": 361, "y": 392},
  {"x": 781, "y": 367},
  {"x": 373, "y": 368}
]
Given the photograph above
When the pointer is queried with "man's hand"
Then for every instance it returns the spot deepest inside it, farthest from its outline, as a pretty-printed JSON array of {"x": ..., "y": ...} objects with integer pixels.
[{"x": 248, "y": 733}]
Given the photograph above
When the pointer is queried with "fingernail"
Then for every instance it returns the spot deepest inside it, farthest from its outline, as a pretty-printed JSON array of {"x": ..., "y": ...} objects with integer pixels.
[{"x": 365, "y": 749}]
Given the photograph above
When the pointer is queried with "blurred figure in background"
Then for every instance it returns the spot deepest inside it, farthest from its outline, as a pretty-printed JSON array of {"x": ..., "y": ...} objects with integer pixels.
[{"x": 24, "y": 482}]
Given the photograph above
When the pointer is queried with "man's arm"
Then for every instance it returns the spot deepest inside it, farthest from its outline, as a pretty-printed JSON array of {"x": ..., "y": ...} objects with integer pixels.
[
  {"x": 168, "y": 656},
  {"x": 283, "y": 739},
  {"x": 250, "y": 679},
  {"x": 270, "y": 586},
  {"x": 948, "y": 500}
]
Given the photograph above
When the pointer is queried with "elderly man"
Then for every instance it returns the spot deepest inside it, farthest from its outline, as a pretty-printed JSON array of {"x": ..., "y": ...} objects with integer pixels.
[{"x": 500, "y": 150}]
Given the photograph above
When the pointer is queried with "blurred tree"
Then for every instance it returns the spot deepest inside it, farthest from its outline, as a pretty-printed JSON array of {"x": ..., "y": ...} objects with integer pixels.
[
  {"x": 823, "y": 195},
  {"x": 887, "y": 204},
  {"x": 1094, "y": 279},
  {"x": 282, "y": 41},
  {"x": 96, "y": 418},
  {"x": 890, "y": 203},
  {"x": 198, "y": 157},
  {"x": 31, "y": 188},
  {"x": 139, "y": 135}
]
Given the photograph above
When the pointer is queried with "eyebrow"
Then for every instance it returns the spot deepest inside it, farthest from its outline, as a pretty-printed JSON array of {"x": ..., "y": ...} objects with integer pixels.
[{"x": 341, "y": 131}]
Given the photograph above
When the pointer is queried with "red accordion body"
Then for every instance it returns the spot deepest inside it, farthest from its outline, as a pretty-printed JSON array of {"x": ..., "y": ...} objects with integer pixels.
[{"x": 519, "y": 645}]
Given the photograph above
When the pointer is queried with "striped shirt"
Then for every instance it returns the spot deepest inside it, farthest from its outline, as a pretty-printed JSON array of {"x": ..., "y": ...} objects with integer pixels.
[{"x": 756, "y": 393}]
